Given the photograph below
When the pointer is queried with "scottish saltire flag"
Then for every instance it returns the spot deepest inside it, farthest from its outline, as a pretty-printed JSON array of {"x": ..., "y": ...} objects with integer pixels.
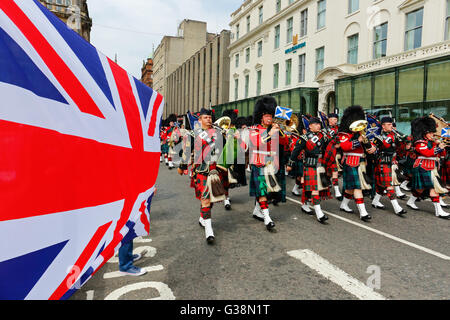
[
  {"x": 193, "y": 121},
  {"x": 445, "y": 133},
  {"x": 79, "y": 154},
  {"x": 283, "y": 113},
  {"x": 374, "y": 127}
]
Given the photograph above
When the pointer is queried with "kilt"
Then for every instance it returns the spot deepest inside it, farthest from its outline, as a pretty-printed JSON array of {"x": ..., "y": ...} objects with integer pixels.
[
  {"x": 201, "y": 188},
  {"x": 298, "y": 169},
  {"x": 329, "y": 159},
  {"x": 165, "y": 148},
  {"x": 310, "y": 179},
  {"x": 351, "y": 178},
  {"x": 383, "y": 175},
  {"x": 421, "y": 179},
  {"x": 258, "y": 186}
]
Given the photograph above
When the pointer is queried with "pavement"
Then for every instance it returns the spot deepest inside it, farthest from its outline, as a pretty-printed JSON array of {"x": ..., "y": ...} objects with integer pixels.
[{"x": 390, "y": 257}]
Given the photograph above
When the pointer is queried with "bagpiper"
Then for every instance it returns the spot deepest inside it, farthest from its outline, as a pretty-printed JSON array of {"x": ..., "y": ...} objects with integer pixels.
[
  {"x": 355, "y": 147},
  {"x": 316, "y": 184},
  {"x": 385, "y": 167},
  {"x": 265, "y": 158},
  {"x": 206, "y": 179},
  {"x": 425, "y": 169},
  {"x": 171, "y": 120}
]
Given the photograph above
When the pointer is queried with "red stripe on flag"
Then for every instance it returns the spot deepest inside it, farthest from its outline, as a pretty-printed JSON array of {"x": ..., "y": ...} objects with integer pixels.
[
  {"x": 152, "y": 126},
  {"x": 44, "y": 172},
  {"x": 81, "y": 262},
  {"x": 60, "y": 70},
  {"x": 129, "y": 106}
]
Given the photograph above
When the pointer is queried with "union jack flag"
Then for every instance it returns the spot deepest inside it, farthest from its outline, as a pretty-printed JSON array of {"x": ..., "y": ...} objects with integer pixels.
[{"x": 79, "y": 155}]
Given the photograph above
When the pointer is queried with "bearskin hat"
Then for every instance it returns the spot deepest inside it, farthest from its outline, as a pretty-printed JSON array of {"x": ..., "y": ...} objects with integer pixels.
[
  {"x": 351, "y": 114},
  {"x": 172, "y": 117},
  {"x": 265, "y": 105},
  {"x": 421, "y": 126},
  {"x": 229, "y": 113},
  {"x": 239, "y": 122},
  {"x": 249, "y": 121}
]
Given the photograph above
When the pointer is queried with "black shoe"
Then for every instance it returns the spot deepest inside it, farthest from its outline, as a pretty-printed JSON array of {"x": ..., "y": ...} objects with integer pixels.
[
  {"x": 323, "y": 219},
  {"x": 228, "y": 207},
  {"x": 401, "y": 213},
  {"x": 444, "y": 217},
  {"x": 210, "y": 240},
  {"x": 378, "y": 207},
  {"x": 403, "y": 197},
  {"x": 351, "y": 211},
  {"x": 270, "y": 226},
  {"x": 366, "y": 218},
  {"x": 340, "y": 198}
]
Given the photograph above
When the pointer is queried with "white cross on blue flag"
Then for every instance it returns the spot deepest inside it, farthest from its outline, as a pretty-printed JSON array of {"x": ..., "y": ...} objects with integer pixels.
[
  {"x": 445, "y": 133},
  {"x": 283, "y": 113}
]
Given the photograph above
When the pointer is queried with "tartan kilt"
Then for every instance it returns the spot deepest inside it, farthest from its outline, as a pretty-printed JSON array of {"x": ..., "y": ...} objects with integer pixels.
[
  {"x": 421, "y": 179},
  {"x": 224, "y": 178},
  {"x": 383, "y": 175},
  {"x": 329, "y": 159},
  {"x": 351, "y": 178},
  {"x": 258, "y": 186},
  {"x": 201, "y": 188},
  {"x": 310, "y": 179},
  {"x": 165, "y": 148}
]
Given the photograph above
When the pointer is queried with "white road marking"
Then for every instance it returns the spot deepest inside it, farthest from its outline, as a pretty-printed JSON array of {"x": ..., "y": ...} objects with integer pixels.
[
  {"x": 163, "y": 289},
  {"x": 90, "y": 295},
  {"x": 336, "y": 275},
  {"x": 117, "y": 274},
  {"x": 142, "y": 240},
  {"x": 384, "y": 234}
]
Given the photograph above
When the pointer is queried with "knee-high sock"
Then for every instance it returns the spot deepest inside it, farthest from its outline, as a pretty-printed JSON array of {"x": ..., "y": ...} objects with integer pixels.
[{"x": 205, "y": 212}]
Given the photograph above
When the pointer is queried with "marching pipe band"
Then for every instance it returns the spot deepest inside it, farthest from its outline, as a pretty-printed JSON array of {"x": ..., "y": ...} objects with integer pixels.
[{"x": 316, "y": 152}]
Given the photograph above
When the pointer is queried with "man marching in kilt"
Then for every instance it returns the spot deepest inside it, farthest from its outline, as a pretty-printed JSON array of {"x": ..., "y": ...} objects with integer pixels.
[
  {"x": 206, "y": 179},
  {"x": 314, "y": 188},
  {"x": 171, "y": 128},
  {"x": 425, "y": 169},
  {"x": 354, "y": 148},
  {"x": 265, "y": 158},
  {"x": 164, "y": 142},
  {"x": 386, "y": 158},
  {"x": 297, "y": 169},
  {"x": 332, "y": 150}
]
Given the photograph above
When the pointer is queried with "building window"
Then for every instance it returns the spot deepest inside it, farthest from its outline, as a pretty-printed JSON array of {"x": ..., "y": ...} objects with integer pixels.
[
  {"x": 277, "y": 37},
  {"x": 247, "y": 55},
  {"x": 247, "y": 82},
  {"x": 353, "y": 5},
  {"x": 321, "y": 13},
  {"x": 304, "y": 23},
  {"x": 236, "y": 89},
  {"x": 278, "y": 5},
  {"x": 352, "y": 51},
  {"x": 289, "y": 30},
  {"x": 258, "y": 82},
  {"x": 301, "y": 68},
  {"x": 261, "y": 15},
  {"x": 237, "y": 32},
  {"x": 413, "y": 35},
  {"x": 447, "y": 22},
  {"x": 288, "y": 71},
  {"x": 248, "y": 24},
  {"x": 237, "y": 60},
  {"x": 260, "y": 44},
  {"x": 320, "y": 58},
  {"x": 276, "y": 70},
  {"x": 380, "y": 41}
]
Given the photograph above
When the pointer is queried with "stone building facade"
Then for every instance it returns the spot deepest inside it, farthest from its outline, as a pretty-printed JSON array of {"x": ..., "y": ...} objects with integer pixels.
[
  {"x": 202, "y": 80},
  {"x": 74, "y": 13}
]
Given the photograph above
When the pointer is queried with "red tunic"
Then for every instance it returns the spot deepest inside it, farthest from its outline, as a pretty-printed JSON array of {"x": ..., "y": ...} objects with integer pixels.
[
  {"x": 352, "y": 151},
  {"x": 261, "y": 149},
  {"x": 428, "y": 153}
]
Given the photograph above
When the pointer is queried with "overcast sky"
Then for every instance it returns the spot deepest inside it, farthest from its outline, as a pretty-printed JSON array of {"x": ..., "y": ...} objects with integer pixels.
[{"x": 129, "y": 28}]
